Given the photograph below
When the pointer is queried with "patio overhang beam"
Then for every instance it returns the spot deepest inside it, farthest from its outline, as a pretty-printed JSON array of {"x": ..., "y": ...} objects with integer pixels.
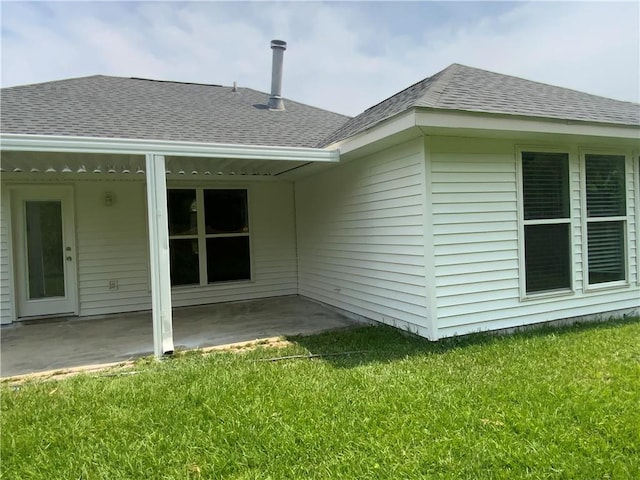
[{"x": 49, "y": 143}]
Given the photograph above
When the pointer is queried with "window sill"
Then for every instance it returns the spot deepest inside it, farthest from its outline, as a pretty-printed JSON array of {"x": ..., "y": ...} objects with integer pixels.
[
  {"x": 209, "y": 285},
  {"x": 565, "y": 292},
  {"x": 598, "y": 287}
]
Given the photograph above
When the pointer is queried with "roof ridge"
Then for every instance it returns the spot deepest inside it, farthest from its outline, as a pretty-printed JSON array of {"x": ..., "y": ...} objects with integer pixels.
[
  {"x": 410, "y": 97},
  {"x": 116, "y": 77},
  {"x": 171, "y": 81},
  {"x": 57, "y": 81},
  {"x": 397, "y": 94},
  {"x": 440, "y": 82}
]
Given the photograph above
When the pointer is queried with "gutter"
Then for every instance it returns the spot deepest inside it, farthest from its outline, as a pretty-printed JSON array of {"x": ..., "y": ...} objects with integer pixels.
[{"x": 52, "y": 143}]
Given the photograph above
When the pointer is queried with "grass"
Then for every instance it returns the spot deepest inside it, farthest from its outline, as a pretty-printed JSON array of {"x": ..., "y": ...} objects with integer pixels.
[{"x": 547, "y": 403}]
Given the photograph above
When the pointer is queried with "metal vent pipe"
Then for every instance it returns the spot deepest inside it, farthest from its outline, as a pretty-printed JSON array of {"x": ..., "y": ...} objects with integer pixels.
[{"x": 275, "y": 100}]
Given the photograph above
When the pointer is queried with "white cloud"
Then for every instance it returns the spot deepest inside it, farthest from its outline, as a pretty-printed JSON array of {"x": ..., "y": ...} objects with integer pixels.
[
  {"x": 593, "y": 47},
  {"x": 342, "y": 57}
]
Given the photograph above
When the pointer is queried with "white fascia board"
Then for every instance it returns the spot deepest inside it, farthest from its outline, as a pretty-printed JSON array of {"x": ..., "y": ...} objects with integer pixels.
[
  {"x": 518, "y": 124},
  {"x": 379, "y": 131},
  {"x": 439, "y": 121},
  {"x": 47, "y": 143}
]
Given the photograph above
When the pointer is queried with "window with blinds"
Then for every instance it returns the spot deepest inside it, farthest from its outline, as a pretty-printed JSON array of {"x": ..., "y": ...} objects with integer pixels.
[
  {"x": 547, "y": 222},
  {"x": 606, "y": 217}
]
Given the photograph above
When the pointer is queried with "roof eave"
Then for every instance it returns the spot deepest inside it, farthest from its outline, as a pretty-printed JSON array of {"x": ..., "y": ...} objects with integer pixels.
[
  {"x": 384, "y": 128},
  {"x": 428, "y": 117},
  {"x": 438, "y": 121},
  {"x": 49, "y": 143}
]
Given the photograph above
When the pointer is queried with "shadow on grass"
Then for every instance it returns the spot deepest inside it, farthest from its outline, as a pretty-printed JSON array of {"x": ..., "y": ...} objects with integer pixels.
[{"x": 373, "y": 344}]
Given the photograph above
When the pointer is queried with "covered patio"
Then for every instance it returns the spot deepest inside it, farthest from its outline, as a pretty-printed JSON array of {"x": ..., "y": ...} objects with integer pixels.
[
  {"x": 111, "y": 247},
  {"x": 43, "y": 345}
]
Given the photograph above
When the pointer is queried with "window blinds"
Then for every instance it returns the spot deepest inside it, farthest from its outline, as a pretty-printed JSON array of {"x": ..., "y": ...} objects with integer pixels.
[
  {"x": 605, "y": 185},
  {"x": 545, "y": 178},
  {"x": 606, "y": 200}
]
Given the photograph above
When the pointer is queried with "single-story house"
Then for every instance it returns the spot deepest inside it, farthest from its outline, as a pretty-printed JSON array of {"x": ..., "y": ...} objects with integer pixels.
[{"x": 469, "y": 201}]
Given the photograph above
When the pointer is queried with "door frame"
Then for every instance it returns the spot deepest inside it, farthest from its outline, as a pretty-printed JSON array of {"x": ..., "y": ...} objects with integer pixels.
[{"x": 64, "y": 193}]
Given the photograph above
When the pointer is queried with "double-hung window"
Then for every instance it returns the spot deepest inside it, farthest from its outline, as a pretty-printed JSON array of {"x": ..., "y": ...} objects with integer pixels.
[
  {"x": 547, "y": 221},
  {"x": 208, "y": 235},
  {"x": 606, "y": 218}
]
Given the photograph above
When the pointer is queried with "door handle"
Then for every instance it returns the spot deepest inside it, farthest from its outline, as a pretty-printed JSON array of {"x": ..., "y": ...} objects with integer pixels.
[{"x": 69, "y": 259}]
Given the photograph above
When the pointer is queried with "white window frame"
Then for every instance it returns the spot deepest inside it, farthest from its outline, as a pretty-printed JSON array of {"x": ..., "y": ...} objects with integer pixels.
[
  {"x": 202, "y": 236},
  {"x": 585, "y": 220},
  {"x": 520, "y": 149}
]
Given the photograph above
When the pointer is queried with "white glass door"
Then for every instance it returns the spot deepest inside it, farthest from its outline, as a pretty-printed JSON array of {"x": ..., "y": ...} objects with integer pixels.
[{"x": 46, "y": 265}]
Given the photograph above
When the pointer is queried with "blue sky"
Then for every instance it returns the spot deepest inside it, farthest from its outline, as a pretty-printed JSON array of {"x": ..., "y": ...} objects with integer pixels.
[{"x": 342, "y": 56}]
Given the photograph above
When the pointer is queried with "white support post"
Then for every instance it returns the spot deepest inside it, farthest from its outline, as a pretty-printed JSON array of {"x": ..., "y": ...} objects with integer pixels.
[{"x": 159, "y": 255}]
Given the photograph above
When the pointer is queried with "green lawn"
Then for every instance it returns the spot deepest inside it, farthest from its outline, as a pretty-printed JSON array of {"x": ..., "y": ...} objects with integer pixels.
[{"x": 547, "y": 403}]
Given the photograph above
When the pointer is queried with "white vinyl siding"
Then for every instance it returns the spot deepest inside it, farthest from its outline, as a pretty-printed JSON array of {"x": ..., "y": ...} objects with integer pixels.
[
  {"x": 475, "y": 225},
  {"x": 6, "y": 283},
  {"x": 112, "y": 244},
  {"x": 476, "y": 242},
  {"x": 634, "y": 220},
  {"x": 361, "y": 236}
]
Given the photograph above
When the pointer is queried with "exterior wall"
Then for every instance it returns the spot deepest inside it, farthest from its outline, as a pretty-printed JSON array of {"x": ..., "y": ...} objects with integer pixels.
[
  {"x": 273, "y": 246},
  {"x": 6, "y": 290},
  {"x": 112, "y": 244},
  {"x": 476, "y": 241},
  {"x": 361, "y": 243}
]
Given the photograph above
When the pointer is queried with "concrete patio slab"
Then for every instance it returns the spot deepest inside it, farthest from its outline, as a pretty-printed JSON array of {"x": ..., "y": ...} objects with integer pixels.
[{"x": 43, "y": 345}]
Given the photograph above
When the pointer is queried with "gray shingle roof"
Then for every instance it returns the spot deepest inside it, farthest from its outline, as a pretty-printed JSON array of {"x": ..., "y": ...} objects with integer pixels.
[
  {"x": 459, "y": 87},
  {"x": 115, "y": 107}
]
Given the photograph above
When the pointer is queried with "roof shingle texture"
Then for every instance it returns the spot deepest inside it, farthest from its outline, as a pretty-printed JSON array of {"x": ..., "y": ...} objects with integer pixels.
[
  {"x": 463, "y": 88},
  {"x": 115, "y": 107}
]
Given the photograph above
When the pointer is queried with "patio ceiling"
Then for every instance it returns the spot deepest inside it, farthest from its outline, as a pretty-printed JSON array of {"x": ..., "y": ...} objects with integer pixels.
[{"x": 93, "y": 163}]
